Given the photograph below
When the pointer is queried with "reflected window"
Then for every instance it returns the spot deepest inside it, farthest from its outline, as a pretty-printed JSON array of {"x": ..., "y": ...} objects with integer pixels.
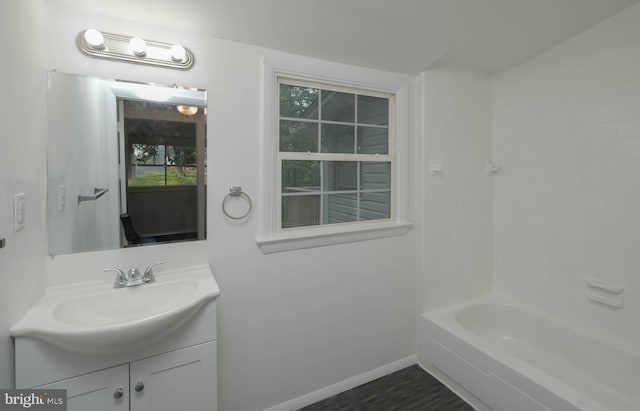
[
  {"x": 164, "y": 148},
  {"x": 160, "y": 152}
]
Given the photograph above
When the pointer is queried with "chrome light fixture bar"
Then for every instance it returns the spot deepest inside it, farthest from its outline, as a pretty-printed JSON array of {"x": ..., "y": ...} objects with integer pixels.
[{"x": 134, "y": 50}]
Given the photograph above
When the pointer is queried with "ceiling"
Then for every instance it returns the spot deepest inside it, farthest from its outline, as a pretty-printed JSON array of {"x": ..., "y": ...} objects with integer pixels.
[{"x": 405, "y": 36}]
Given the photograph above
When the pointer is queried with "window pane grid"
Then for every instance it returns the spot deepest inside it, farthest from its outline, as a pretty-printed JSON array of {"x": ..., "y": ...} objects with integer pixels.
[
  {"x": 329, "y": 137},
  {"x": 359, "y": 164},
  {"x": 355, "y": 134},
  {"x": 345, "y": 123},
  {"x": 322, "y": 192},
  {"x": 161, "y": 165},
  {"x": 311, "y": 156},
  {"x": 336, "y": 117},
  {"x": 322, "y": 182},
  {"x": 319, "y": 125}
]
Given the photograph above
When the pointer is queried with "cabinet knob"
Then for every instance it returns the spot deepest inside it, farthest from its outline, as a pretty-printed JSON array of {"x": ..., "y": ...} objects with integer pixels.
[
  {"x": 139, "y": 386},
  {"x": 118, "y": 393}
]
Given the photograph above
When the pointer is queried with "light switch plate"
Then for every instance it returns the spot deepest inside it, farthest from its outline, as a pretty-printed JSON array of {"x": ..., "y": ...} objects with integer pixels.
[
  {"x": 61, "y": 197},
  {"x": 18, "y": 211}
]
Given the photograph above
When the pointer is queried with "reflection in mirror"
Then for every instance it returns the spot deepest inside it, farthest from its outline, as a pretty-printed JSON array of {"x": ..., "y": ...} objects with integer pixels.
[{"x": 126, "y": 164}]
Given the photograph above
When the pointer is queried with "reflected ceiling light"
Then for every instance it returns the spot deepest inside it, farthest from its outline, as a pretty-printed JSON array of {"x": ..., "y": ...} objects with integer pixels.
[
  {"x": 134, "y": 50},
  {"x": 94, "y": 38},
  {"x": 138, "y": 46},
  {"x": 177, "y": 52},
  {"x": 187, "y": 110}
]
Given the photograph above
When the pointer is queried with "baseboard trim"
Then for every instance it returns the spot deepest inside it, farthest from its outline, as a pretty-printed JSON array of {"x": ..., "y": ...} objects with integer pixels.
[{"x": 344, "y": 385}]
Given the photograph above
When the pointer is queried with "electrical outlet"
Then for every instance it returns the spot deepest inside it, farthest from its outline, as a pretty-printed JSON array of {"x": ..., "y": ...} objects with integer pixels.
[{"x": 19, "y": 207}]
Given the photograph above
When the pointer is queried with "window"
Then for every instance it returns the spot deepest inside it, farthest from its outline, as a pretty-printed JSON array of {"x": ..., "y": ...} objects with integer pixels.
[
  {"x": 161, "y": 147},
  {"x": 336, "y": 153},
  {"x": 335, "y": 159}
]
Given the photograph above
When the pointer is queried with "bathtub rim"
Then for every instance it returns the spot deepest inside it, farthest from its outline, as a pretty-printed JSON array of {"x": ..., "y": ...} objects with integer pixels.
[
  {"x": 448, "y": 313},
  {"x": 445, "y": 318}
]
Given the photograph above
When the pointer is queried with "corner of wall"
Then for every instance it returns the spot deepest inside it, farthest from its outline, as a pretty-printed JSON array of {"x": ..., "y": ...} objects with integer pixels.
[{"x": 458, "y": 199}]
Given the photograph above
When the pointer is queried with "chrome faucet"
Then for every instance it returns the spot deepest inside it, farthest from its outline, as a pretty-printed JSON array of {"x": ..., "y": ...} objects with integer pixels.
[
  {"x": 121, "y": 279},
  {"x": 133, "y": 276},
  {"x": 148, "y": 276}
]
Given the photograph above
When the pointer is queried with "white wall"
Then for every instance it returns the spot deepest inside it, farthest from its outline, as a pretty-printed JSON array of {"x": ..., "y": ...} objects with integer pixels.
[
  {"x": 457, "y": 239},
  {"x": 567, "y": 204},
  {"x": 22, "y": 167},
  {"x": 289, "y": 323}
]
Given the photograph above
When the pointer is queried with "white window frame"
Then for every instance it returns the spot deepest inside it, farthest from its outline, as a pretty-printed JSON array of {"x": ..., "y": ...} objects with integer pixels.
[
  {"x": 272, "y": 237},
  {"x": 281, "y": 156}
]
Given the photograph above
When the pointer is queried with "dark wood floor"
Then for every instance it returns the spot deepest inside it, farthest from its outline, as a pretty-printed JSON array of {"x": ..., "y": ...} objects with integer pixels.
[{"x": 406, "y": 390}]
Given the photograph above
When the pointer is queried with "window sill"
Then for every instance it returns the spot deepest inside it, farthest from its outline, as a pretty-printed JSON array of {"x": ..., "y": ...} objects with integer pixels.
[{"x": 320, "y": 237}]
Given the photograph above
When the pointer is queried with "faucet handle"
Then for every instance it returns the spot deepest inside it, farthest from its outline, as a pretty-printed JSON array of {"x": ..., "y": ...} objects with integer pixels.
[
  {"x": 121, "y": 279},
  {"x": 148, "y": 276}
]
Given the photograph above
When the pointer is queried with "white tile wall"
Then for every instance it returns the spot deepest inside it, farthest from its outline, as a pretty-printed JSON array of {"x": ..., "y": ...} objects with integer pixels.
[
  {"x": 566, "y": 130},
  {"x": 457, "y": 218}
]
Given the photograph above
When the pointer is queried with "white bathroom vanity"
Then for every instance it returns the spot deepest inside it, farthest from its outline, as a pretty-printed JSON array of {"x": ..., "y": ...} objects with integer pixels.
[{"x": 143, "y": 348}]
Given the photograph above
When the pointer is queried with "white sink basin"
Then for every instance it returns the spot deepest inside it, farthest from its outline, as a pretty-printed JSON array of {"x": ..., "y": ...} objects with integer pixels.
[
  {"x": 134, "y": 304},
  {"x": 97, "y": 319}
]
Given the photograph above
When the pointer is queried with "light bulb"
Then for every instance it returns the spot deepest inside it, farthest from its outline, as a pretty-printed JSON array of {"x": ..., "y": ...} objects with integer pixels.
[
  {"x": 138, "y": 46},
  {"x": 177, "y": 52},
  {"x": 94, "y": 38},
  {"x": 187, "y": 110}
]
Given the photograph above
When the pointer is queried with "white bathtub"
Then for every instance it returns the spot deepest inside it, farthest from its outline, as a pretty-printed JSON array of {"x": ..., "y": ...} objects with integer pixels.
[{"x": 506, "y": 358}]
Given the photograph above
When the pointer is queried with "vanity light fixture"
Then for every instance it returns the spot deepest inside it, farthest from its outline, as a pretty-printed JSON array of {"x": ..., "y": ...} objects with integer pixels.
[{"x": 134, "y": 50}]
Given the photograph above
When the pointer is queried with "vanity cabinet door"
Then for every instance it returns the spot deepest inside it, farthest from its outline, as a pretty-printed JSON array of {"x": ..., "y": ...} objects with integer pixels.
[
  {"x": 105, "y": 390},
  {"x": 180, "y": 380}
]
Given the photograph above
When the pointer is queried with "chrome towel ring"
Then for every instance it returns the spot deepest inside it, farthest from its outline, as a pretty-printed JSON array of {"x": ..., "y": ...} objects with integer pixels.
[{"x": 236, "y": 192}]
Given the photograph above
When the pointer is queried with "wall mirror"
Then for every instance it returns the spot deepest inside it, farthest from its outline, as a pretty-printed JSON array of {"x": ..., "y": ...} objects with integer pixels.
[{"x": 126, "y": 164}]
